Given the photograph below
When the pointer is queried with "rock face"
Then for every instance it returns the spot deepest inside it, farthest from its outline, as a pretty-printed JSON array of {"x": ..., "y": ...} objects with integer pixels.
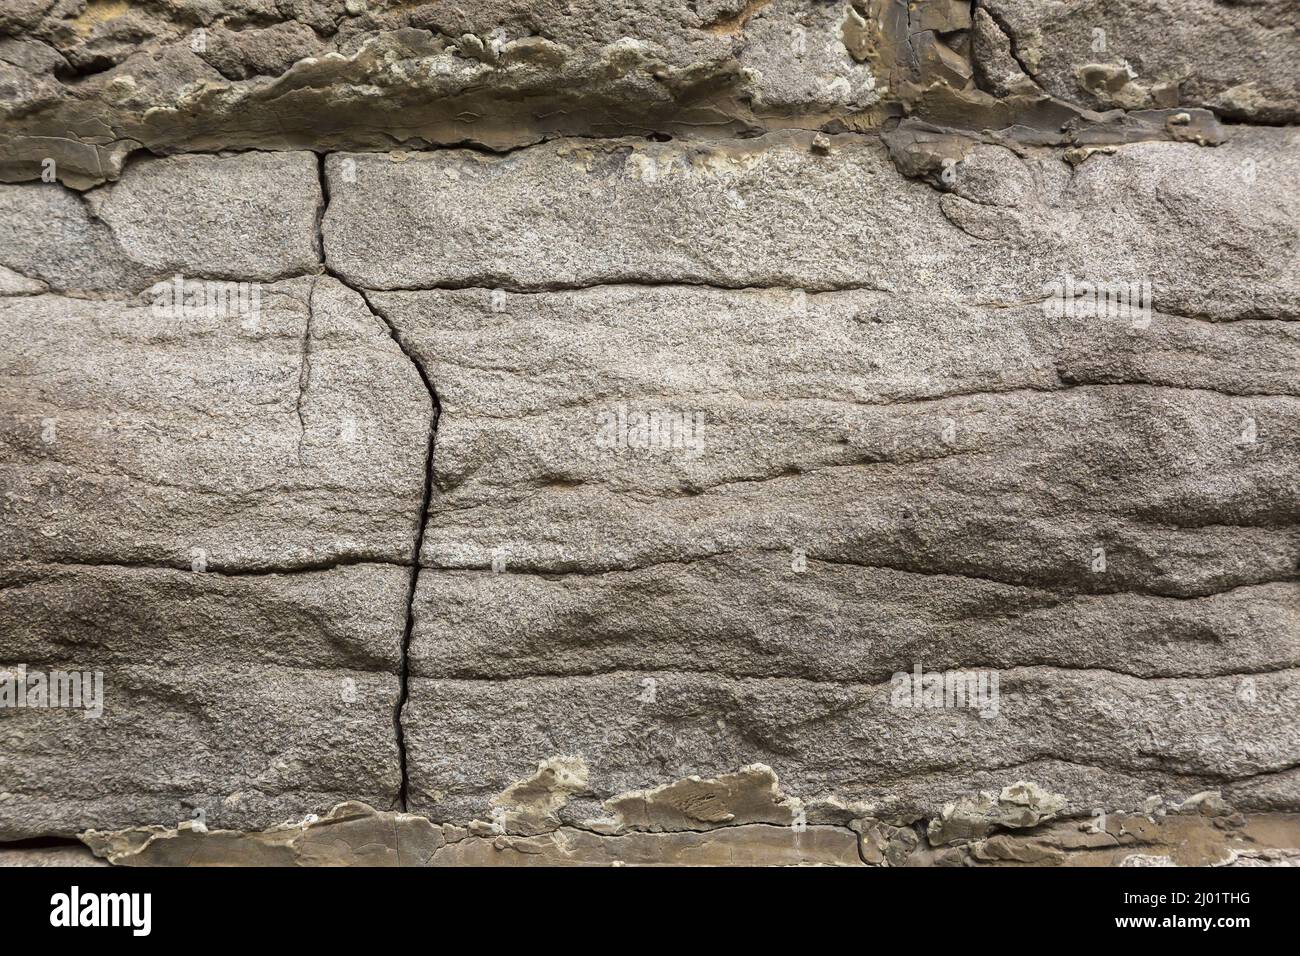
[
  {"x": 777, "y": 212},
  {"x": 210, "y": 497},
  {"x": 1125, "y": 55},
  {"x": 703, "y": 433}
]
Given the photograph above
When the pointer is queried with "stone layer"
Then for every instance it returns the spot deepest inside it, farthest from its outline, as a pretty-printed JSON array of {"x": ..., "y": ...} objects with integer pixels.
[{"x": 532, "y": 430}]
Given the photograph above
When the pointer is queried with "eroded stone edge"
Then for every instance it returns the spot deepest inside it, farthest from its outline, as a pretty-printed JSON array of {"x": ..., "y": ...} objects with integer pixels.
[
  {"x": 735, "y": 818},
  {"x": 934, "y": 93}
]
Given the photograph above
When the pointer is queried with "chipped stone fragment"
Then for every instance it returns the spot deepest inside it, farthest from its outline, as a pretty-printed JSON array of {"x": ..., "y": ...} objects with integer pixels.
[
  {"x": 529, "y": 806},
  {"x": 1237, "y": 59},
  {"x": 1019, "y": 806},
  {"x": 882, "y": 844},
  {"x": 751, "y": 795}
]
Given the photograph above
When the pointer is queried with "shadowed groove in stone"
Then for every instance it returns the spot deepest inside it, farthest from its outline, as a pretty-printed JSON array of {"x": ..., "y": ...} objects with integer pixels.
[{"x": 423, "y": 517}]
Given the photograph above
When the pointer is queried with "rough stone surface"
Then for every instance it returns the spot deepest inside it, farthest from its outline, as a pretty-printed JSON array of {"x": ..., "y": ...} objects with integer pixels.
[
  {"x": 288, "y": 435},
  {"x": 1071, "y": 731},
  {"x": 247, "y": 217},
  {"x": 237, "y": 700},
  {"x": 159, "y": 467},
  {"x": 89, "y": 83},
  {"x": 775, "y": 212},
  {"x": 89, "y": 86},
  {"x": 706, "y": 432},
  {"x": 1238, "y": 59}
]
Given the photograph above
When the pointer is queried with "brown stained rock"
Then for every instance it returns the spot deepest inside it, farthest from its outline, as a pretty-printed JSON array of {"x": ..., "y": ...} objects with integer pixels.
[
  {"x": 745, "y": 845},
  {"x": 1128, "y": 840},
  {"x": 353, "y": 834},
  {"x": 358, "y": 836},
  {"x": 751, "y": 795},
  {"x": 529, "y": 806},
  {"x": 103, "y": 81}
]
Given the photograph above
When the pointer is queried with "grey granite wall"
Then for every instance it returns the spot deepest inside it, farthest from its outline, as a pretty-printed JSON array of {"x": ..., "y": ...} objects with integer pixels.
[{"x": 705, "y": 431}]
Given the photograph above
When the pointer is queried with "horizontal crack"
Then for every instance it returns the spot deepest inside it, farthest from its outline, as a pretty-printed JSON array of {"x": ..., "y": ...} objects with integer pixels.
[
  {"x": 1041, "y": 588},
  {"x": 505, "y": 284}
]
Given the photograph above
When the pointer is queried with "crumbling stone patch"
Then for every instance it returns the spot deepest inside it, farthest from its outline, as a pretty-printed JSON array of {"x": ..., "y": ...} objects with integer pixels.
[{"x": 354, "y": 834}]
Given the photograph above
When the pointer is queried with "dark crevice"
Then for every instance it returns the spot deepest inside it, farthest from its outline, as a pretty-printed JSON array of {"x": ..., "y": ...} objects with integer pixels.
[
  {"x": 304, "y": 370},
  {"x": 504, "y": 283},
  {"x": 1062, "y": 589},
  {"x": 422, "y": 518},
  {"x": 1013, "y": 44},
  {"x": 499, "y": 282},
  {"x": 50, "y": 842}
]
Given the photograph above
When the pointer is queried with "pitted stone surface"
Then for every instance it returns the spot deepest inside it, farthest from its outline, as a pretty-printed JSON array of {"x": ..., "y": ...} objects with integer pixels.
[
  {"x": 1070, "y": 730},
  {"x": 947, "y": 435},
  {"x": 287, "y": 704},
  {"x": 842, "y": 484}
]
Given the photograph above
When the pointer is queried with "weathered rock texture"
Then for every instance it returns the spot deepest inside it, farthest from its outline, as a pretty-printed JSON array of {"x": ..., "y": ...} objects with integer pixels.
[
  {"x": 723, "y": 822},
  {"x": 560, "y": 433}
]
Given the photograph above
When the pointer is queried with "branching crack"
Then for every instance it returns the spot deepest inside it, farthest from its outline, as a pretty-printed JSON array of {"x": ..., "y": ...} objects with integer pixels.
[
  {"x": 422, "y": 518},
  {"x": 1013, "y": 44}
]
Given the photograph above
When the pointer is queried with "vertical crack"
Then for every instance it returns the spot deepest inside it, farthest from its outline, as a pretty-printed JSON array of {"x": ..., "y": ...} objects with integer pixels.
[
  {"x": 422, "y": 519},
  {"x": 421, "y": 524},
  {"x": 1013, "y": 43},
  {"x": 304, "y": 370}
]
